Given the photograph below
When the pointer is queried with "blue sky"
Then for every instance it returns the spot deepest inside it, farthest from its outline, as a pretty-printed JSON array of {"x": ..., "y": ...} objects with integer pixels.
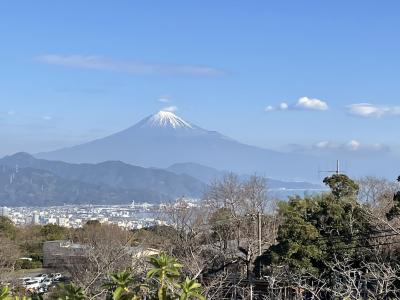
[{"x": 317, "y": 74}]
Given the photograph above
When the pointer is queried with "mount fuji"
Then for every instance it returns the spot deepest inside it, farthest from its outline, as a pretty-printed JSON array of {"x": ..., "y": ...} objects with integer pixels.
[{"x": 164, "y": 139}]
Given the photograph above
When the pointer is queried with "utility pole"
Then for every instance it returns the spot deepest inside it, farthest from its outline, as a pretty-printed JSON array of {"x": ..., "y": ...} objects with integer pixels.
[
  {"x": 259, "y": 233},
  {"x": 238, "y": 233},
  {"x": 337, "y": 171}
]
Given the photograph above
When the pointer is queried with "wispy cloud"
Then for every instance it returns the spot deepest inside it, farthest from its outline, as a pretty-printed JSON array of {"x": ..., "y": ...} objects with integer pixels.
[
  {"x": 164, "y": 99},
  {"x": 352, "y": 145},
  {"x": 268, "y": 108},
  {"x": 172, "y": 108},
  {"x": 95, "y": 62},
  {"x": 368, "y": 110},
  {"x": 47, "y": 118}
]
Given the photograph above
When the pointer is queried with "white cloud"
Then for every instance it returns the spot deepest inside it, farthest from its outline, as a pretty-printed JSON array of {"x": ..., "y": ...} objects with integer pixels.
[
  {"x": 353, "y": 145},
  {"x": 323, "y": 145},
  {"x": 135, "y": 67},
  {"x": 11, "y": 112},
  {"x": 304, "y": 103},
  {"x": 47, "y": 118},
  {"x": 368, "y": 110},
  {"x": 268, "y": 108},
  {"x": 311, "y": 104},
  {"x": 172, "y": 108},
  {"x": 379, "y": 147},
  {"x": 283, "y": 106},
  {"x": 164, "y": 99}
]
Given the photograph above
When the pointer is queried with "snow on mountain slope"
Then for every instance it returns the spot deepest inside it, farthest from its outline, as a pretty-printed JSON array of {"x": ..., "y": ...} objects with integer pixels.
[
  {"x": 164, "y": 119},
  {"x": 163, "y": 139}
]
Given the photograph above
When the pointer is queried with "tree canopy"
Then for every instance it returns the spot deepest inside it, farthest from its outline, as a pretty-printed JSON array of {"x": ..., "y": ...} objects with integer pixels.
[
  {"x": 7, "y": 228},
  {"x": 341, "y": 186},
  {"x": 317, "y": 229}
]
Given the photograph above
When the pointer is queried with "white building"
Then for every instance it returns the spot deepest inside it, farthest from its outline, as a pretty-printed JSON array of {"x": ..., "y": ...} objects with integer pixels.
[
  {"x": 32, "y": 220},
  {"x": 4, "y": 212},
  {"x": 52, "y": 220},
  {"x": 64, "y": 222},
  {"x": 35, "y": 219}
]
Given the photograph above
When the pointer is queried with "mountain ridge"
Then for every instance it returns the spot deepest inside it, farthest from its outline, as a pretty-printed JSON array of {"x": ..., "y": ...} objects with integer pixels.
[
  {"x": 34, "y": 187},
  {"x": 208, "y": 175},
  {"x": 149, "y": 185},
  {"x": 118, "y": 182},
  {"x": 160, "y": 147}
]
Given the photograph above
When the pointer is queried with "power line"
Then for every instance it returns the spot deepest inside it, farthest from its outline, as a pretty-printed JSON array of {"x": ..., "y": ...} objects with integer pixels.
[{"x": 368, "y": 246}]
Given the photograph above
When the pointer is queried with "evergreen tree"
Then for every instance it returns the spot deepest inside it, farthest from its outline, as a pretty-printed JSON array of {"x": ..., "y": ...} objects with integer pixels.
[{"x": 317, "y": 229}]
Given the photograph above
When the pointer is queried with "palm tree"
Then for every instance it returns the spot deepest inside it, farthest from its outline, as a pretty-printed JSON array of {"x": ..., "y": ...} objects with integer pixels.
[
  {"x": 21, "y": 298},
  {"x": 165, "y": 269},
  {"x": 71, "y": 292},
  {"x": 190, "y": 289},
  {"x": 5, "y": 293},
  {"x": 120, "y": 285}
]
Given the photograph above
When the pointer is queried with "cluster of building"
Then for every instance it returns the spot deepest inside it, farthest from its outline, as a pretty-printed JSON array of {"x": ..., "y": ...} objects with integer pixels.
[
  {"x": 133, "y": 216},
  {"x": 127, "y": 216}
]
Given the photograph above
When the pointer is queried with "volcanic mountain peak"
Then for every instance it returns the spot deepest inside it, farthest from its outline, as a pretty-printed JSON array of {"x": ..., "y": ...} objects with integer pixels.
[
  {"x": 164, "y": 139},
  {"x": 165, "y": 119}
]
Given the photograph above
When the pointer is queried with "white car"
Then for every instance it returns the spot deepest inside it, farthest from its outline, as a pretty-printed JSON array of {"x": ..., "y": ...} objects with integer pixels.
[
  {"x": 25, "y": 279},
  {"x": 42, "y": 290},
  {"x": 46, "y": 283},
  {"x": 40, "y": 277},
  {"x": 32, "y": 284},
  {"x": 56, "y": 276}
]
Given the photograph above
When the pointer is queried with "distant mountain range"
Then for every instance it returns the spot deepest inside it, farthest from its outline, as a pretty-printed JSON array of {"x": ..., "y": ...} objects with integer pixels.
[
  {"x": 28, "y": 181},
  {"x": 163, "y": 157},
  {"x": 33, "y": 187},
  {"x": 208, "y": 174},
  {"x": 164, "y": 139},
  {"x": 108, "y": 182}
]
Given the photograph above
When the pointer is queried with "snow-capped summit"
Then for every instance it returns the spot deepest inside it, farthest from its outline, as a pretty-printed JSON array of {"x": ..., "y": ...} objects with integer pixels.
[
  {"x": 163, "y": 139},
  {"x": 164, "y": 119}
]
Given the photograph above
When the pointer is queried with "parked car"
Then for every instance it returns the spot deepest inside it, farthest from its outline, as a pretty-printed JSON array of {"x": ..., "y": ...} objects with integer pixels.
[
  {"x": 47, "y": 282},
  {"x": 25, "y": 279},
  {"x": 32, "y": 285},
  {"x": 42, "y": 290},
  {"x": 55, "y": 276},
  {"x": 40, "y": 277}
]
